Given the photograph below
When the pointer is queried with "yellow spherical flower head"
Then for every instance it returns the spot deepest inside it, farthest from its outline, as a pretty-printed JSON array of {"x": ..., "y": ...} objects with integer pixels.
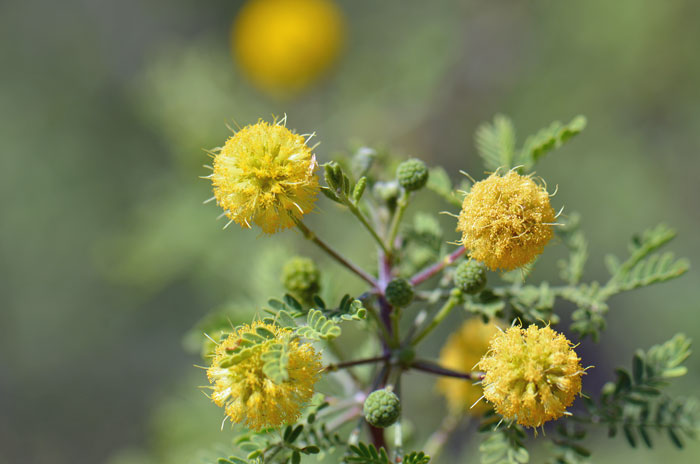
[
  {"x": 506, "y": 221},
  {"x": 462, "y": 352},
  {"x": 532, "y": 375},
  {"x": 285, "y": 45},
  {"x": 251, "y": 397},
  {"x": 265, "y": 174}
]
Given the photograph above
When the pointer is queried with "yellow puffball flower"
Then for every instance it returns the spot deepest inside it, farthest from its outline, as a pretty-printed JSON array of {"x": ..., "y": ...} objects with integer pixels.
[
  {"x": 462, "y": 352},
  {"x": 265, "y": 174},
  {"x": 285, "y": 45},
  {"x": 506, "y": 221},
  {"x": 532, "y": 375},
  {"x": 247, "y": 394}
]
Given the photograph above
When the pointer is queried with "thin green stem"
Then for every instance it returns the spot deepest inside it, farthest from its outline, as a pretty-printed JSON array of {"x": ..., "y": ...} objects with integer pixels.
[
  {"x": 361, "y": 217},
  {"x": 361, "y": 273},
  {"x": 395, "y": 317},
  {"x": 401, "y": 205},
  {"x": 454, "y": 300},
  {"x": 398, "y": 431}
]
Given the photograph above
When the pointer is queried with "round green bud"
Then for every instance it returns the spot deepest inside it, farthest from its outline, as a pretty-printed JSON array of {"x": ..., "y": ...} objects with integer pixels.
[
  {"x": 300, "y": 277},
  {"x": 399, "y": 292},
  {"x": 412, "y": 174},
  {"x": 470, "y": 276},
  {"x": 382, "y": 408}
]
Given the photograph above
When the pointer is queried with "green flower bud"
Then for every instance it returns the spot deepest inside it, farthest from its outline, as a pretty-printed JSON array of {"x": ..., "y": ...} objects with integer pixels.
[
  {"x": 399, "y": 292},
  {"x": 382, "y": 408},
  {"x": 300, "y": 277},
  {"x": 470, "y": 276},
  {"x": 412, "y": 174}
]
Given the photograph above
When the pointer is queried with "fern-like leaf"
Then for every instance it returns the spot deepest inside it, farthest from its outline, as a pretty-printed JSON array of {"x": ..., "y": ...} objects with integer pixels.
[
  {"x": 504, "y": 446},
  {"x": 495, "y": 143},
  {"x": 416, "y": 458},
  {"x": 367, "y": 454},
  {"x": 440, "y": 183},
  {"x": 548, "y": 139},
  {"x": 275, "y": 361},
  {"x": 318, "y": 327},
  {"x": 572, "y": 236},
  {"x": 654, "y": 269}
]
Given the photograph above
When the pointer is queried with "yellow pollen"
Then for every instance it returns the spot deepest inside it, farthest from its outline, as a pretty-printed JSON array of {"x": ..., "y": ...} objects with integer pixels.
[
  {"x": 248, "y": 396},
  {"x": 532, "y": 375},
  {"x": 506, "y": 221},
  {"x": 265, "y": 175}
]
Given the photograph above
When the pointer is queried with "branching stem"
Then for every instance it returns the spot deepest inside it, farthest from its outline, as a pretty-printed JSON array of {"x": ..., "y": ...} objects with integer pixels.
[
  {"x": 454, "y": 299},
  {"x": 430, "y": 271},
  {"x": 361, "y": 273},
  {"x": 401, "y": 205},
  {"x": 361, "y": 217}
]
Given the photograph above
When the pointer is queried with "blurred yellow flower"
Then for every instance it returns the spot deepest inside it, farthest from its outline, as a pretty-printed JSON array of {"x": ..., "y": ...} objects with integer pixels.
[
  {"x": 462, "y": 352},
  {"x": 248, "y": 395},
  {"x": 265, "y": 174},
  {"x": 285, "y": 45},
  {"x": 506, "y": 221},
  {"x": 532, "y": 375}
]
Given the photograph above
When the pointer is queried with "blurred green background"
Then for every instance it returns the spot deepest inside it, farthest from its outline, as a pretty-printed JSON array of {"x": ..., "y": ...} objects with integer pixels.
[{"x": 108, "y": 258}]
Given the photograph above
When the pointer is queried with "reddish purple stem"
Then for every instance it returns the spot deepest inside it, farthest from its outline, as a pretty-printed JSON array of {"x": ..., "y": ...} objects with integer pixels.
[{"x": 430, "y": 271}]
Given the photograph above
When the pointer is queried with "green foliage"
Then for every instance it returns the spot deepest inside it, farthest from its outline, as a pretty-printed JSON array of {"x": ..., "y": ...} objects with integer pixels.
[
  {"x": 486, "y": 304},
  {"x": 528, "y": 303},
  {"x": 548, "y": 139},
  {"x": 319, "y": 327},
  {"x": 571, "y": 235},
  {"x": 636, "y": 404},
  {"x": 348, "y": 309},
  {"x": 368, "y": 454},
  {"x": 642, "y": 268},
  {"x": 339, "y": 188},
  {"x": 567, "y": 448},
  {"x": 504, "y": 446},
  {"x": 275, "y": 360},
  {"x": 440, "y": 183},
  {"x": 288, "y": 304},
  {"x": 287, "y": 309},
  {"x": 495, "y": 142},
  {"x": 245, "y": 345},
  {"x": 286, "y": 446}
]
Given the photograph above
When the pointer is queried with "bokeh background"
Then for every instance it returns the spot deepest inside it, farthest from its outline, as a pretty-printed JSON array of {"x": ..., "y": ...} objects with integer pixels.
[{"x": 108, "y": 258}]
